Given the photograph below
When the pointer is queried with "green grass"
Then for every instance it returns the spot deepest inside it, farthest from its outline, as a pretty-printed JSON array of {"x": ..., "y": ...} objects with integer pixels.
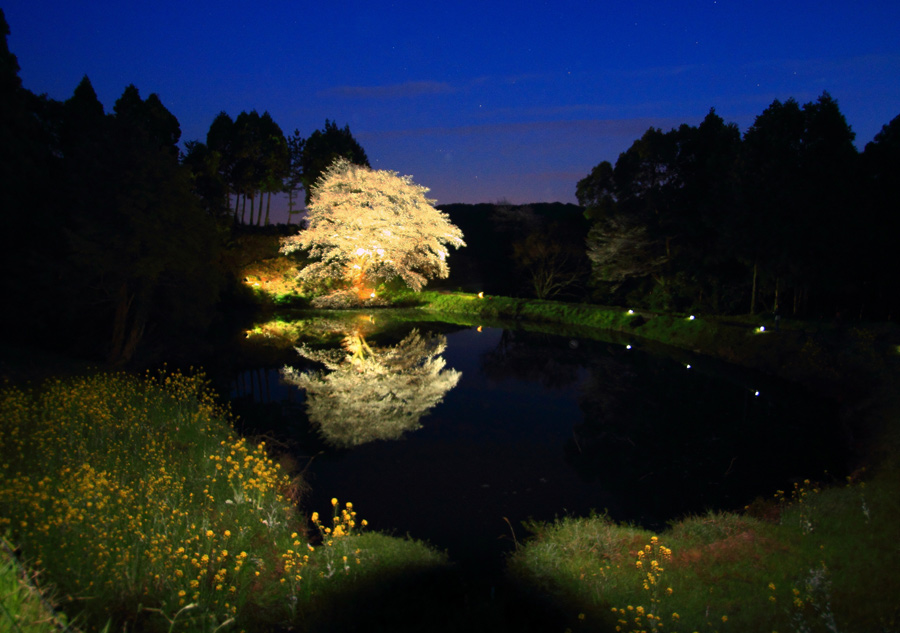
[
  {"x": 824, "y": 561},
  {"x": 24, "y": 608},
  {"x": 136, "y": 501}
]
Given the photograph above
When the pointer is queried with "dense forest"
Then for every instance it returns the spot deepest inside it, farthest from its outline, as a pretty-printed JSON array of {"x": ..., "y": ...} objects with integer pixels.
[
  {"x": 114, "y": 235},
  {"x": 790, "y": 217}
]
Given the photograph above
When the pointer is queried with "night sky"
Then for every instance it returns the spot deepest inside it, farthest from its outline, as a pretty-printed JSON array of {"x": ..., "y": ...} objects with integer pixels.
[{"x": 478, "y": 101}]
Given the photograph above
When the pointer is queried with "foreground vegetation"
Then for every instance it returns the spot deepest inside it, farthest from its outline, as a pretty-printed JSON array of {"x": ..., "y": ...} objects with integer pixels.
[{"x": 143, "y": 510}]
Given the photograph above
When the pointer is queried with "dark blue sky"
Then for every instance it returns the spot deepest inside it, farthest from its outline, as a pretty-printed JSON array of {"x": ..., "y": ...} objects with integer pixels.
[{"x": 476, "y": 100}]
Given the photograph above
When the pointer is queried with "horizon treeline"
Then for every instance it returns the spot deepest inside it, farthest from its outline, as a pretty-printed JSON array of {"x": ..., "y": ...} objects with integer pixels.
[{"x": 789, "y": 217}]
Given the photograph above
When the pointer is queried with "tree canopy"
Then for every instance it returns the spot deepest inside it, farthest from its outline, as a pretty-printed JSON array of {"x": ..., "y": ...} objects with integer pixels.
[
  {"x": 700, "y": 217},
  {"x": 323, "y": 148},
  {"x": 368, "y": 226}
]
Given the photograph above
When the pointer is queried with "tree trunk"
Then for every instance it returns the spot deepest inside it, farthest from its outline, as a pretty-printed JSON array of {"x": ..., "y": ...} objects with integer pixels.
[
  {"x": 252, "y": 205},
  {"x": 120, "y": 320},
  {"x": 129, "y": 323},
  {"x": 777, "y": 282},
  {"x": 268, "y": 204},
  {"x": 753, "y": 291},
  {"x": 244, "y": 209}
]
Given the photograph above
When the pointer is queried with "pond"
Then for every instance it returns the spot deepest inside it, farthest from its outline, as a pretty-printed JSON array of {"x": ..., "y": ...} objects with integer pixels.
[{"x": 456, "y": 435}]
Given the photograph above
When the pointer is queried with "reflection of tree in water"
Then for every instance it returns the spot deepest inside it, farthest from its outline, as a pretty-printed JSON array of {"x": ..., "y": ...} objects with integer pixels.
[
  {"x": 549, "y": 360},
  {"x": 666, "y": 440},
  {"x": 369, "y": 393}
]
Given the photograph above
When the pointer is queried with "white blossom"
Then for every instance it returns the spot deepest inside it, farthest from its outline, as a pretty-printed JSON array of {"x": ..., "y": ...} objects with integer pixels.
[{"x": 370, "y": 225}]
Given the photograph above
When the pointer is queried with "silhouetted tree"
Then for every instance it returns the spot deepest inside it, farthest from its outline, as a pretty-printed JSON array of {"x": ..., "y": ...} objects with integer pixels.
[
  {"x": 875, "y": 249},
  {"x": 249, "y": 160},
  {"x": 29, "y": 182},
  {"x": 323, "y": 147},
  {"x": 797, "y": 172},
  {"x": 708, "y": 273},
  {"x": 144, "y": 250},
  {"x": 275, "y": 162},
  {"x": 208, "y": 180},
  {"x": 221, "y": 141},
  {"x": 632, "y": 238},
  {"x": 596, "y": 192}
]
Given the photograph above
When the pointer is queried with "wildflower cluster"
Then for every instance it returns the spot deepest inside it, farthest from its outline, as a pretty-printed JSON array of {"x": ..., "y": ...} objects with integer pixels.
[
  {"x": 343, "y": 525},
  {"x": 650, "y": 572},
  {"x": 135, "y": 491},
  {"x": 799, "y": 497}
]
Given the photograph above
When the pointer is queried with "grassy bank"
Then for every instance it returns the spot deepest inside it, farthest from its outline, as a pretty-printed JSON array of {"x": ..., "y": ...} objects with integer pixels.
[
  {"x": 140, "y": 507},
  {"x": 808, "y": 560},
  {"x": 841, "y": 360}
]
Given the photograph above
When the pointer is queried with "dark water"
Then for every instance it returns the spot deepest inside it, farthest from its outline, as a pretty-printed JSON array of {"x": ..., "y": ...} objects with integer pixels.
[{"x": 541, "y": 426}]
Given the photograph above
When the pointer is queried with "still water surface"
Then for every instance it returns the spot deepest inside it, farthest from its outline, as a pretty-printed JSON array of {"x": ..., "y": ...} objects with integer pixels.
[{"x": 519, "y": 425}]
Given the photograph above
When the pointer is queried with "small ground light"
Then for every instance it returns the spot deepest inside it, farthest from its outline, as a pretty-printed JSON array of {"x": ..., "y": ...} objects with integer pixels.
[
  {"x": 628, "y": 347},
  {"x": 481, "y": 295},
  {"x": 691, "y": 318},
  {"x": 756, "y": 394},
  {"x": 762, "y": 328},
  {"x": 631, "y": 312},
  {"x": 688, "y": 366}
]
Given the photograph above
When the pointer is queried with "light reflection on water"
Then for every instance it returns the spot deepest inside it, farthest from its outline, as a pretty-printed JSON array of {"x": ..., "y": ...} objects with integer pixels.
[{"x": 540, "y": 426}]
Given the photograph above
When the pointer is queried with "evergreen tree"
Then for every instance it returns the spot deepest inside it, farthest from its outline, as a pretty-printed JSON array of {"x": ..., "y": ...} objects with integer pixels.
[{"x": 325, "y": 146}]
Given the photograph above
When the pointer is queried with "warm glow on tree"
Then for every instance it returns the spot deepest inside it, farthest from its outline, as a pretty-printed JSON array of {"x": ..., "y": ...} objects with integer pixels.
[{"x": 370, "y": 225}]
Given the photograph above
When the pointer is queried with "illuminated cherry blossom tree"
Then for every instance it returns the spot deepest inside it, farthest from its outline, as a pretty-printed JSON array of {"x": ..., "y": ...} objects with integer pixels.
[{"x": 367, "y": 226}]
